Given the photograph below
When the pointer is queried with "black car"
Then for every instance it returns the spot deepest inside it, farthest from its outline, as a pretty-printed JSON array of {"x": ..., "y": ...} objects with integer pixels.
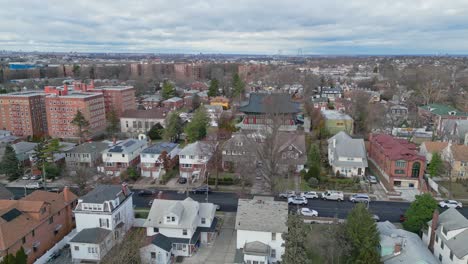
[
  {"x": 202, "y": 189},
  {"x": 182, "y": 180},
  {"x": 146, "y": 192}
]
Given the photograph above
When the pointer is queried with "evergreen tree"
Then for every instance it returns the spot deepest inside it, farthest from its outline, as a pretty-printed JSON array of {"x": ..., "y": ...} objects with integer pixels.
[
  {"x": 168, "y": 90},
  {"x": 197, "y": 129},
  {"x": 195, "y": 101},
  {"x": 213, "y": 89},
  {"x": 436, "y": 167},
  {"x": 238, "y": 85},
  {"x": 9, "y": 165},
  {"x": 419, "y": 212},
  {"x": 21, "y": 257},
  {"x": 81, "y": 123},
  {"x": 9, "y": 259},
  {"x": 313, "y": 157},
  {"x": 156, "y": 132},
  {"x": 76, "y": 70},
  {"x": 113, "y": 123},
  {"x": 362, "y": 235},
  {"x": 295, "y": 241},
  {"x": 92, "y": 73},
  {"x": 173, "y": 127}
]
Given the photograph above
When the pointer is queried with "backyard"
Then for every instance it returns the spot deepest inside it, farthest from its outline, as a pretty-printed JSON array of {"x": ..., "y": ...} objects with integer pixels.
[{"x": 459, "y": 188}]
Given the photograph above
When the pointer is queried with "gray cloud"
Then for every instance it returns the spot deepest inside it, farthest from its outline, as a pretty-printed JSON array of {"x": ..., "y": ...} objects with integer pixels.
[{"x": 241, "y": 26}]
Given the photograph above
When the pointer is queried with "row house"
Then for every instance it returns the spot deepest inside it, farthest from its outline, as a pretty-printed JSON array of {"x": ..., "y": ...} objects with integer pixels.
[
  {"x": 117, "y": 158},
  {"x": 398, "y": 160},
  {"x": 135, "y": 122},
  {"x": 153, "y": 101},
  {"x": 178, "y": 228},
  {"x": 194, "y": 159},
  {"x": 437, "y": 113},
  {"x": 36, "y": 222},
  {"x": 23, "y": 113},
  {"x": 154, "y": 158},
  {"x": 456, "y": 157},
  {"x": 173, "y": 103},
  {"x": 347, "y": 156},
  {"x": 336, "y": 121},
  {"x": 103, "y": 217},
  {"x": 87, "y": 155}
]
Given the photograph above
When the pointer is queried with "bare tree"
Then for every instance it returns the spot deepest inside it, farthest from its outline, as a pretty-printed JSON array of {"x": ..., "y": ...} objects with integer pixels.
[
  {"x": 128, "y": 251},
  {"x": 81, "y": 178}
]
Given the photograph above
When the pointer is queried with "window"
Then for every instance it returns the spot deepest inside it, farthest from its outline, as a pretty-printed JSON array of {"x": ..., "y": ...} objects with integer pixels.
[
  {"x": 440, "y": 257},
  {"x": 33, "y": 233},
  {"x": 401, "y": 163},
  {"x": 399, "y": 172},
  {"x": 182, "y": 156},
  {"x": 168, "y": 218},
  {"x": 203, "y": 220},
  {"x": 23, "y": 240},
  {"x": 451, "y": 255},
  {"x": 273, "y": 236},
  {"x": 179, "y": 246},
  {"x": 77, "y": 248},
  {"x": 191, "y": 157},
  {"x": 437, "y": 239},
  {"x": 441, "y": 244},
  {"x": 51, "y": 220},
  {"x": 153, "y": 255},
  {"x": 92, "y": 250},
  {"x": 173, "y": 219},
  {"x": 444, "y": 230},
  {"x": 103, "y": 222},
  {"x": 273, "y": 253},
  {"x": 184, "y": 232},
  {"x": 155, "y": 229},
  {"x": 123, "y": 155}
]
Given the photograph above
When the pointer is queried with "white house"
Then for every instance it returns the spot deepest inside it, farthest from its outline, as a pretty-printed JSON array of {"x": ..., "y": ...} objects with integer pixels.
[
  {"x": 151, "y": 159},
  {"x": 102, "y": 216},
  {"x": 449, "y": 237},
  {"x": 122, "y": 155},
  {"x": 260, "y": 222},
  {"x": 178, "y": 228},
  {"x": 193, "y": 159},
  {"x": 347, "y": 155},
  {"x": 134, "y": 122}
]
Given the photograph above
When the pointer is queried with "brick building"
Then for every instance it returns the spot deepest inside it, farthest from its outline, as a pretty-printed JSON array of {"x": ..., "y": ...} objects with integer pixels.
[
  {"x": 36, "y": 222},
  {"x": 398, "y": 160},
  {"x": 23, "y": 113},
  {"x": 62, "y": 106},
  {"x": 117, "y": 98}
]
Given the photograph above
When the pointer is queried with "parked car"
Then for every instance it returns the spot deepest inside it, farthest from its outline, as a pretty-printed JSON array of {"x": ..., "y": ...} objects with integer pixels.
[
  {"x": 146, "y": 192},
  {"x": 202, "y": 189},
  {"x": 53, "y": 256},
  {"x": 35, "y": 177},
  {"x": 310, "y": 195},
  {"x": 182, "y": 180},
  {"x": 26, "y": 177},
  {"x": 359, "y": 198},
  {"x": 376, "y": 218},
  {"x": 34, "y": 185},
  {"x": 333, "y": 195},
  {"x": 307, "y": 212},
  {"x": 297, "y": 200},
  {"x": 372, "y": 179},
  {"x": 287, "y": 194},
  {"x": 450, "y": 204}
]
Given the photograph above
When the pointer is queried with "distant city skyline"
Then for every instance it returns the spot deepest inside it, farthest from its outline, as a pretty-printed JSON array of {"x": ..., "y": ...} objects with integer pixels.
[{"x": 237, "y": 27}]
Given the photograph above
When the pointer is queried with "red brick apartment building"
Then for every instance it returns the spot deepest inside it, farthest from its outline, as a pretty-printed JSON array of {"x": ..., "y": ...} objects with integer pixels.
[
  {"x": 118, "y": 98},
  {"x": 23, "y": 113},
  {"x": 62, "y": 106},
  {"x": 398, "y": 160},
  {"x": 36, "y": 222}
]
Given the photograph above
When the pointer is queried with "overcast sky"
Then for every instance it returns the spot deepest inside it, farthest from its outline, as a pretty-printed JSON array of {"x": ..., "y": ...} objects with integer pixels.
[{"x": 237, "y": 26}]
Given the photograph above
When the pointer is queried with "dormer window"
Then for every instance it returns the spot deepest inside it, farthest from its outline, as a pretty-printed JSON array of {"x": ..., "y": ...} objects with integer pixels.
[{"x": 168, "y": 219}]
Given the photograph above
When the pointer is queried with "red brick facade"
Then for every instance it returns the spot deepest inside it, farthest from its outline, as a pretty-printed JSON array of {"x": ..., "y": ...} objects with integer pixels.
[{"x": 118, "y": 98}]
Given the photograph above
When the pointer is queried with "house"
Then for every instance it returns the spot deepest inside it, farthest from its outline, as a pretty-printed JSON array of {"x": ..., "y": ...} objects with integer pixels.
[
  {"x": 153, "y": 101},
  {"x": 220, "y": 100},
  {"x": 265, "y": 109},
  {"x": 103, "y": 216},
  {"x": 336, "y": 121},
  {"x": 397, "y": 160},
  {"x": 398, "y": 112},
  {"x": 178, "y": 228},
  {"x": 347, "y": 155},
  {"x": 153, "y": 158},
  {"x": 331, "y": 93},
  {"x": 455, "y": 131},
  {"x": 36, "y": 222},
  {"x": 437, "y": 113},
  {"x": 23, "y": 150},
  {"x": 118, "y": 157},
  {"x": 193, "y": 160},
  {"x": 238, "y": 150},
  {"x": 457, "y": 158},
  {"x": 173, "y": 103},
  {"x": 428, "y": 148},
  {"x": 320, "y": 103},
  {"x": 260, "y": 223},
  {"x": 401, "y": 246},
  {"x": 134, "y": 122},
  {"x": 447, "y": 237},
  {"x": 88, "y": 155}
]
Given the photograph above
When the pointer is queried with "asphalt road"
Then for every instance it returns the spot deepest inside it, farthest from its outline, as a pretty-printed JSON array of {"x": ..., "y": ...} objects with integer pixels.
[{"x": 390, "y": 211}]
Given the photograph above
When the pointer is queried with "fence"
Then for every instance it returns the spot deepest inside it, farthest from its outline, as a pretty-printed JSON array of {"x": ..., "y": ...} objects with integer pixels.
[{"x": 434, "y": 186}]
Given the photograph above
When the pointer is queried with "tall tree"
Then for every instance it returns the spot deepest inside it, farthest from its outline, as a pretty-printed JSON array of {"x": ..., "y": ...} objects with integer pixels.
[
  {"x": 156, "y": 132},
  {"x": 168, "y": 90},
  {"x": 76, "y": 70},
  {"x": 213, "y": 89},
  {"x": 173, "y": 127},
  {"x": 362, "y": 235},
  {"x": 43, "y": 156},
  {"x": 197, "y": 128},
  {"x": 21, "y": 257},
  {"x": 113, "y": 123},
  {"x": 436, "y": 167},
  {"x": 295, "y": 241},
  {"x": 10, "y": 165},
  {"x": 92, "y": 73},
  {"x": 195, "y": 101},
  {"x": 419, "y": 212},
  {"x": 237, "y": 85},
  {"x": 81, "y": 123}
]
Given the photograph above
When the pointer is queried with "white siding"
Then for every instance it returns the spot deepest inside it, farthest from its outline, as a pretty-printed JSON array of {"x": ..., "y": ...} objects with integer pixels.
[{"x": 245, "y": 236}]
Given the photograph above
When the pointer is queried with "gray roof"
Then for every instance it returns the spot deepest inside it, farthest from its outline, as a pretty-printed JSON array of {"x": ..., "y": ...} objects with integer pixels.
[
  {"x": 335, "y": 115},
  {"x": 90, "y": 147},
  {"x": 23, "y": 147},
  {"x": 197, "y": 148},
  {"x": 451, "y": 219},
  {"x": 159, "y": 147},
  {"x": 413, "y": 249},
  {"x": 257, "y": 248},
  {"x": 162, "y": 242},
  {"x": 102, "y": 193},
  {"x": 91, "y": 235},
  {"x": 262, "y": 215},
  {"x": 347, "y": 146},
  {"x": 270, "y": 103},
  {"x": 458, "y": 244},
  {"x": 127, "y": 146},
  {"x": 5, "y": 194}
]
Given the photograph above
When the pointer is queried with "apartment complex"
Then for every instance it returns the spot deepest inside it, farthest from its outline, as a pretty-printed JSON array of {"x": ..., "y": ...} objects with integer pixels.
[
  {"x": 117, "y": 98},
  {"x": 36, "y": 222},
  {"x": 23, "y": 113},
  {"x": 62, "y": 107}
]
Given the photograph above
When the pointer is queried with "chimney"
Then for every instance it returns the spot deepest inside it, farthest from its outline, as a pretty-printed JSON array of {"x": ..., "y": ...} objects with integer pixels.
[
  {"x": 433, "y": 227},
  {"x": 65, "y": 89},
  {"x": 114, "y": 140},
  {"x": 397, "y": 249},
  {"x": 125, "y": 189},
  {"x": 91, "y": 85},
  {"x": 67, "y": 194}
]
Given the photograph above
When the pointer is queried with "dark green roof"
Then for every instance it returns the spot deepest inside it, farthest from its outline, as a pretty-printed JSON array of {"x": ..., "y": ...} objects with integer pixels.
[
  {"x": 91, "y": 235},
  {"x": 440, "y": 109},
  {"x": 270, "y": 103},
  {"x": 162, "y": 242}
]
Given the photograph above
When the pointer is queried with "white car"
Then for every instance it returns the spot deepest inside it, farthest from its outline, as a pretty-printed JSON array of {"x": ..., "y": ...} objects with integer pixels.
[
  {"x": 307, "y": 212},
  {"x": 25, "y": 177},
  {"x": 373, "y": 179},
  {"x": 450, "y": 204},
  {"x": 287, "y": 194},
  {"x": 310, "y": 195},
  {"x": 297, "y": 200}
]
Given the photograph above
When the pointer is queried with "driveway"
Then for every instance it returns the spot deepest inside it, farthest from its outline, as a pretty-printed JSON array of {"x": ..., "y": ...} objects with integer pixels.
[{"x": 223, "y": 248}]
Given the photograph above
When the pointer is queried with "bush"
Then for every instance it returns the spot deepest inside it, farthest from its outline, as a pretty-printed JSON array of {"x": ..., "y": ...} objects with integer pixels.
[
  {"x": 169, "y": 175},
  {"x": 221, "y": 181},
  {"x": 313, "y": 182}
]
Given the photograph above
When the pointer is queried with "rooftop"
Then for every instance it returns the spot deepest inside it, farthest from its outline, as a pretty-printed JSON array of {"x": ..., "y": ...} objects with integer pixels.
[
  {"x": 440, "y": 109},
  {"x": 335, "y": 115},
  {"x": 270, "y": 216},
  {"x": 91, "y": 235},
  {"x": 347, "y": 146},
  {"x": 155, "y": 113},
  {"x": 460, "y": 152},
  {"x": 197, "y": 148},
  {"x": 433, "y": 146},
  {"x": 90, "y": 147},
  {"x": 159, "y": 147},
  {"x": 127, "y": 146},
  {"x": 397, "y": 149},
  {"x": 270, "y": 103},
  {"x": 103, "y": 193},
  {"x": 24, "y": 94},
  {"x": 116, "y": 88}
]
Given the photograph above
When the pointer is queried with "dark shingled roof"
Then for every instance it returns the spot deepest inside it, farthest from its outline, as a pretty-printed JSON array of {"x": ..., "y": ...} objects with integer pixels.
[
  {"x": 102, "y": 193},
  {"x": 162, "y": 241},
  {"x": 158, "y": 148},
  {"x": 270, "y": 103},
  {"x": 5, "y": 194},
  {"x": 91, "y": 235}
]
